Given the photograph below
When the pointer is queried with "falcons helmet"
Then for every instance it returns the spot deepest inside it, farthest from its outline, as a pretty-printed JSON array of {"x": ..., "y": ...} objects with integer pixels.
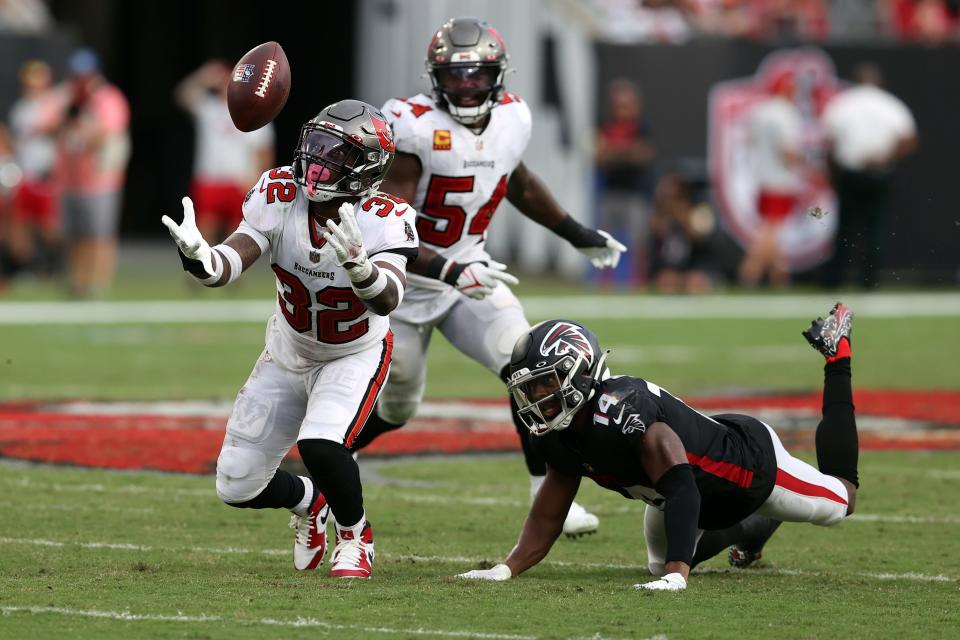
[
  {"x": 466, "y": 62},
  {"x": 344, "y": 151},
  {"x": 554, "y": 370}
]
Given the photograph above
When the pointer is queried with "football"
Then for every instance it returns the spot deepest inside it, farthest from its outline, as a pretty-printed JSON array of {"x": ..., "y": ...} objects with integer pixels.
[{"x": 259, "y": 86}]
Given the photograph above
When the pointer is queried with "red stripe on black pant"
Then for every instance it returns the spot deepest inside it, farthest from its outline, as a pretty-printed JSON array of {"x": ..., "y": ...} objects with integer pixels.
[{"x": 372, "y": 393}]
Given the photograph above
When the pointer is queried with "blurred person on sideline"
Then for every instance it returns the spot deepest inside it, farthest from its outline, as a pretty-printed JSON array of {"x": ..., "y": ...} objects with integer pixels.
[
  {"x": 931, "y": 22},
  {"x": 775, "y": 131},
  {"x": 624, "y": 157},
  {"x": 683, "y": 224},
  {"x": 868, "y": 131},
  {"x": 92, "y": 154},
  {"x": 226, "y": 160},
  {"x": 33, "y": 120}
]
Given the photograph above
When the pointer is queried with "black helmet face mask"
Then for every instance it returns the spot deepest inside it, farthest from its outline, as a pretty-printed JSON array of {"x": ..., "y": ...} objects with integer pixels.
[
  {"x": 467, "y": 87},
  {"x": 545, "y": 396},
  {"x": 325, "y": 164}
]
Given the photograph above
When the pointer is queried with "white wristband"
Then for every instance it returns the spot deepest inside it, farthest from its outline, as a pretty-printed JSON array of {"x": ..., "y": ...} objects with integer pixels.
[
  {"x": 233, "y": 259},
  {"x": 373, "y": 290},
  {"x": 360, "y": 272}
]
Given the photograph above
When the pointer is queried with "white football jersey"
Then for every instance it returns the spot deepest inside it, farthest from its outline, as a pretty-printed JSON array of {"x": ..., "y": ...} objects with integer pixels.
[
  {"x": 464, "y": 174},
  {"x": 319, "y": 317}
]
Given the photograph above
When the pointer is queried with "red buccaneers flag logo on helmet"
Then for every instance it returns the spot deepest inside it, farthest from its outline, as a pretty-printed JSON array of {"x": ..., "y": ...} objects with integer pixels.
[
  {"x": 566, "y": 338},
  {"x": 384, "y": 134}
]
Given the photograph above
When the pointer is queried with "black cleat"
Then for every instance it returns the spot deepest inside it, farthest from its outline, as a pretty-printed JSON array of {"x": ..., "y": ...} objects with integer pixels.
[
  {"x": 825, "y": 335},
  {"x": 756, "y": 531}
]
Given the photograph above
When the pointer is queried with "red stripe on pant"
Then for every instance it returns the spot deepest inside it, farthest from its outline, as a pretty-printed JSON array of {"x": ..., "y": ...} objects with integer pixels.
[
  {"x": 804, "y": 488},
  {"x": 726, "y": 470},
  {"x": 372, "y": 393}
]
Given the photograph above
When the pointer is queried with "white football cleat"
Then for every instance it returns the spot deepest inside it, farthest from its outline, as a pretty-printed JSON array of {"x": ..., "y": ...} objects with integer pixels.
[
  {"x": 310, "y": 543},
  {"x": 580, "y": 522},
  {"x": 353, "y": 555}
]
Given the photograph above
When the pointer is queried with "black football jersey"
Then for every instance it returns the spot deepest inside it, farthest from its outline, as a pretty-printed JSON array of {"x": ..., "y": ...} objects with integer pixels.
[{"x": 732, "y": 455}]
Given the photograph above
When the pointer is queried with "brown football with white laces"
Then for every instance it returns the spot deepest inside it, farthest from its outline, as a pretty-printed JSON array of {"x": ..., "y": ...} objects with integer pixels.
[{"x": 259, "y": 86}]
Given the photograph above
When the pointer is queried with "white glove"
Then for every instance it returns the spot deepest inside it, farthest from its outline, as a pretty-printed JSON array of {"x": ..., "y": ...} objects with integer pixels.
[
  {"x": 478, "y": 280},
  {"x": 347, "y": 242},
  {"x": 188, "y": 237},
  {"x": 606, "y": 256},
  {"x": 498, "y": 573},
  {"x": 669, "y": 582}
]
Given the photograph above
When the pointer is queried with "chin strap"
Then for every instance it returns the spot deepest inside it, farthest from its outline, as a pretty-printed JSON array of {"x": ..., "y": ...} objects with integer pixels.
[{"x": 601, "y": 374}]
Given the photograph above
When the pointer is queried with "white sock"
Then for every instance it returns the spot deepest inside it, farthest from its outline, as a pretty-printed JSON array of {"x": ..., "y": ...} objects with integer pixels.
[
  {"x": 302, "y": 508},
  {"x": 535, "y": 482},
  {"x": 357, "y": 529}
]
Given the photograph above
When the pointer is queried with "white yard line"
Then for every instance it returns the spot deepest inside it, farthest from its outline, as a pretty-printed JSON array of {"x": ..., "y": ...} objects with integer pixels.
[
  {"x": 887, "y": 305},
  {"x": 466, "y": 560},
  {"x": 419, "y": 497},
  {"x": 127, "y": 616}
]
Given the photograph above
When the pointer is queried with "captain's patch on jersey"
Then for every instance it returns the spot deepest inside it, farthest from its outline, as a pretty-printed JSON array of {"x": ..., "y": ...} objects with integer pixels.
[{"x": 442, "y": 140}]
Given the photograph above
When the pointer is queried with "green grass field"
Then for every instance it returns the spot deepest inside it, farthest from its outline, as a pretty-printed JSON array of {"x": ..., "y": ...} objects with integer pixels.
[
  {"x": 147, "y": 555},
  {"x": 95, "y": 554}
]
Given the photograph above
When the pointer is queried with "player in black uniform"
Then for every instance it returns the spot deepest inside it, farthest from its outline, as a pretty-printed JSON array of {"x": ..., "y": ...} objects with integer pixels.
[{"x": 708, "y": 480}]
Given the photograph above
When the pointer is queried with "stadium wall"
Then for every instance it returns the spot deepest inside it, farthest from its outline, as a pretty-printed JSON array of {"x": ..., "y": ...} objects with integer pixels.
[{"x": 923, "y": 239}]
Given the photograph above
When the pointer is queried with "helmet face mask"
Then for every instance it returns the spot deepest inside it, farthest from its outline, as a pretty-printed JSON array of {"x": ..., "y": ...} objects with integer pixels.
[
  {"x": 466, "y": 62},
  {"x": 546, "y": 398},
  {"x": 324, "y": 164},
  {"x": 345, "y": 151}
]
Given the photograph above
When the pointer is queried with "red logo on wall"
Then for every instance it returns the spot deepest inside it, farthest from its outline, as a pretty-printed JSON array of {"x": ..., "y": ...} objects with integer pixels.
[{"x": 805, "y": 240}]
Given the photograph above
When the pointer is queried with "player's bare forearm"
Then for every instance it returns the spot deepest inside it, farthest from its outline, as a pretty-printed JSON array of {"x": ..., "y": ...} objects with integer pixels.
[
  {"x": 421, "y": 264},
  {"x": 530, "y": 196},
  {"x": 545, "y": 521},
  {"x": 677, "y": 567},
  {"x": 248, "y": 250},
  {"x": 388, "y": 299}
]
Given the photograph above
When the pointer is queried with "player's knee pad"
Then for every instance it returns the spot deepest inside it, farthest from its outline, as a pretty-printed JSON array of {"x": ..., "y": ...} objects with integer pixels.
[
  {"x": 396, "y": 411},
  {"x": 657, "y": 569},
  {"x": 241, "y": 474}
]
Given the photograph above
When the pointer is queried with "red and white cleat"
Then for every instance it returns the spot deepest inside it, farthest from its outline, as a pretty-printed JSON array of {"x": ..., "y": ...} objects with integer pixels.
[
  {"x": 310, "y": 543},
  {"x": 353, "y": 555}
]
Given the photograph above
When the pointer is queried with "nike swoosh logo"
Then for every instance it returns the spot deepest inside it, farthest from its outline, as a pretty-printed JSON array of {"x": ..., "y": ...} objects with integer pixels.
[
  {"x": 396, "y": 113},
  {"x": 619, "y": 417}
]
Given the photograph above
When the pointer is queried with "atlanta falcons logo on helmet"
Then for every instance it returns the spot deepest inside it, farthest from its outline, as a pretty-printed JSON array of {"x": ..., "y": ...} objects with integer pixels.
[{"x": 566, "y": 338}]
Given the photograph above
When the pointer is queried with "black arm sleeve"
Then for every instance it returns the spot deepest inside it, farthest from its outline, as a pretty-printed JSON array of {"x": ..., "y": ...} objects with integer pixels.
[
  {"x": 578, "y": 235},
  {"x": 681, "y": 512}
]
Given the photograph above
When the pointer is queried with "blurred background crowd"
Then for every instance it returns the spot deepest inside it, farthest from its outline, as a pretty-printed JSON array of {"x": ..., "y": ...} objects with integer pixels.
[{"x": 754, "y": 143}]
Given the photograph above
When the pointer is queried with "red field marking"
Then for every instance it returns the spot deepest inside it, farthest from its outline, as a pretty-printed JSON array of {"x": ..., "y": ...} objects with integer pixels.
[{"x": 191, "y": 444}]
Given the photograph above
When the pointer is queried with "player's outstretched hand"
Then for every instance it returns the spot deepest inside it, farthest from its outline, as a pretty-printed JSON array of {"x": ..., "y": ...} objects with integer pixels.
[
  {"x": 669, "y": 582},
  {"x": 498, "y": 573},
  {"x": 347, "y": 242},
  {"x": 479, "y": 279},
  {"x": 188, "y": 238},
  {"x": 606, "y": 255}
]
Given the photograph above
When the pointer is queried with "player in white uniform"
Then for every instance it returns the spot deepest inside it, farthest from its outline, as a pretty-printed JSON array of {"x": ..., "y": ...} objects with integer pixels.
[
  {"x": 339, "y": 249},
  {"x": 459, "y": 154}
]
